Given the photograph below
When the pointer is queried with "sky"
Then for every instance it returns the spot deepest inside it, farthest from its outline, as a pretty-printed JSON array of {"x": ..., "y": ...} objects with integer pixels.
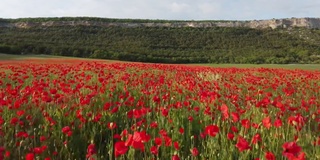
[{"x": 162, "y": 9}]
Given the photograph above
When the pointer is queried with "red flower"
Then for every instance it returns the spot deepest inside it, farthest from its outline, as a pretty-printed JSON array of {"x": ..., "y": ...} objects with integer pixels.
[
  {"x": 165, "y": 112},
  {"x": 245, "y": 123},
  {"x": 14, "y": 121},
  {"x": 69, "y": 133},
  {"x": 158, "y": 141},
  {"x": 137, "y": 140},
  {"x": 277, "y": 123},
  {"x": 120, "y": 148},
  {"x": 167, "y": 141},
  {"x": 181, "y": 130},
  {"x": 234, "y": 129},
  {"x": 20, "y": 113},
  {"x": 7, "y": 154},
  {"x": 175, "y": 157},
  {"x": 38, "y": 150},
  {"x": 235, "y": 117},
  {"x": 256, "y": 138},
  {"x": 154, "y": 150},
  {"x": 2, "y": 149},
  {"x": 297, "y": 121},
  {"x": 211, "y": 130},
  {"x": 91, "y": 150},
  {"x": 194, "y": 151},
  {"x": 230, "y": 136},
  {"x": 291, "y": 149},
  {"x": 242, "y": 144},
  {"x": 66, "y": 129},
  {"x": 270, "y": 156},
  {"x": 153, "y": 124},
  {"x": 53, "y": 91},
  {"x": 30, "y": 156},
  {"x": 111, "y": 125},
  {"x": 267, "y": 122},
  {"x": 224, "y": 111},
  {"x": 176, "y": 145},
  {"x": 42, "y": 138}
]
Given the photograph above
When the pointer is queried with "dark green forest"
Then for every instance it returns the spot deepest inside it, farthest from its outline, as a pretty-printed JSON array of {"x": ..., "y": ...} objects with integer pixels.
[{"x": 164, "y": 44}]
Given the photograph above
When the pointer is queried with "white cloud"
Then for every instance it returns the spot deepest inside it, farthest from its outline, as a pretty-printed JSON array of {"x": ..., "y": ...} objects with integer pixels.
[
  {"x": 162, "y": 9},
  {"x": 178, "y": 7}
]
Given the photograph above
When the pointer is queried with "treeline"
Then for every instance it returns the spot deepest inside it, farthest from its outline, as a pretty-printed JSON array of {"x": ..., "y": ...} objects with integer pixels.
[
  {"x": 97, "y": 19},
  {"x": 167, "y": 45}
]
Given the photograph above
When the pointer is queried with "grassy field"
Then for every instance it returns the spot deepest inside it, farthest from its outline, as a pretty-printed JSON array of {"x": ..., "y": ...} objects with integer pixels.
[
  {"x": 285, "y": 66},
  {"x": 6, "y": 57},
  {"x": 21, "y": 57},
  {"x": 76, "y": 108},
  {"x": 106, "y": 111}
]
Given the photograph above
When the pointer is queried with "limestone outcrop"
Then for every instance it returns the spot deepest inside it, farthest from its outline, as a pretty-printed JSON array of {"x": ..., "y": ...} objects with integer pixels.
[{"x": 259, "y": 24}]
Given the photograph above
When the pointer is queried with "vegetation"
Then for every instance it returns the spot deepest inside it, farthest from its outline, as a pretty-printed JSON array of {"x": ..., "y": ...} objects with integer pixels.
[
  {"x": 88, "y": 110},
  {"x": 163, "y": 44},
  {"x": 97, "y": 19}
]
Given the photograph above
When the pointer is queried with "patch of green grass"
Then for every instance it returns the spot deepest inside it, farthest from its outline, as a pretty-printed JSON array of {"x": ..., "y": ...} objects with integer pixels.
[
  {"x": 20, "y": 57},
  {"x": 4, "y": 57},
  {"x": 8, "y": 56},
  {"x": 285, "y": 66}
]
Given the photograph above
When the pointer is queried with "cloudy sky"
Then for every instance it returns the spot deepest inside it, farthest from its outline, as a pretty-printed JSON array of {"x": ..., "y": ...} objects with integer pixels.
[{"x": 162, "y": 9}]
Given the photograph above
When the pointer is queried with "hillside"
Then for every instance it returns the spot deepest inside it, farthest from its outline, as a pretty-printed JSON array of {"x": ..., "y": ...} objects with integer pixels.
[{"x": 265, "y": 41}]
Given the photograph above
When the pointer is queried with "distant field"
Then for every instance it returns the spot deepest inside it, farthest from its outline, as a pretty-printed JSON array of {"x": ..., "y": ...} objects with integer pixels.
[
  {"x": 20, "y": 57},
  {"x": 5, "y": 57},
  {"x": 285, "y": 66}
]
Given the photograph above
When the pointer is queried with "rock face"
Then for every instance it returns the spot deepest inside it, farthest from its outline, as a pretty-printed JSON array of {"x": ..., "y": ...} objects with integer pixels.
[{"x": 259, "y": 24}]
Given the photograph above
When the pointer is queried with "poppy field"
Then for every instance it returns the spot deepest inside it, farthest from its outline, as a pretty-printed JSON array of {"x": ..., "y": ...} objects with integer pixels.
[{"x": 78, "y": 110}]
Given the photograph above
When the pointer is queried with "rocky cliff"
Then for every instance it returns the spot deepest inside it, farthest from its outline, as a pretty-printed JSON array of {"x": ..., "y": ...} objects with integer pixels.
[{"x": 260, "y": 24}]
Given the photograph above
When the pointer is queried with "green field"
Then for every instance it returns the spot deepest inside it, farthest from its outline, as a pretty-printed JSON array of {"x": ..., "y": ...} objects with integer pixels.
[
  {"x": 285, "y": 66},
  {"x": 21, "y": 57}
]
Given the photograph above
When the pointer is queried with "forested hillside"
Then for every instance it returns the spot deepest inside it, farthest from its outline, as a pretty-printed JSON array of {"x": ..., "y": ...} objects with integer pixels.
[{"x": 166, "y": 44}]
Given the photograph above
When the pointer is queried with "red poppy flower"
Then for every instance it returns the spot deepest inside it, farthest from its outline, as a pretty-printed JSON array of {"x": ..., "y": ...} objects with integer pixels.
[
  {"x": 175, "y": 157},
  {"x": 256, "y": 138},
  {"x": 242, "y": 144},
  {"x": 153, "y": 124},
  {"x": 194, "y": 151},
  {"x": 290, "y": 149},
  {"x": 235, "y": 117},
  {"x": 224, "y": 110},
  {"x": 234, "y": 129},
  {"x": 211, "y": 130},
  {"x": 66, "y": 129},
  {"x": 158, "y": 141},
  {"x": 111, "y": 125},
  {"x": 267, "y": 122},
  {"x": 277, "y": 123},
  {"x": 7, "y": 154},
  {"x": 30, "y": 156},
  {"x": 230, "y": 136},
  {"x": 91, "y": 150},
  {"x": 154, "y": 150},
  {"x": 120, "y": 148},
  {"x": 176, "y": 145},
  {"x": 167, "y": 141},
  {"x": 270, "y": 156},
  {"x": 181, "y": 130},
  {"x": 245, "y": 123}
]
